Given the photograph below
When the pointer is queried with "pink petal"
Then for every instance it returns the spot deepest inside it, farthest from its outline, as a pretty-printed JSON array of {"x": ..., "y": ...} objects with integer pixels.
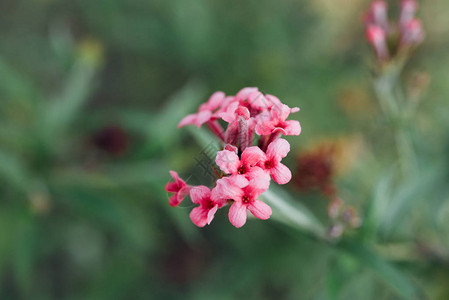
[
  {"x": 187, "y": 120},
  {"x": 202, "y": 117},
  {"x": 274, "y": 101},
  {"x": 258, "y": 101},
  {"x": 199, "y": 216},
  {"x": 211, "y": 214},
  {"x": 181, "y": 195},
  {"x": 229, "y": 114},
  {"x": 171, "y": 187},
  {"x": 260, "y": 209},
  {"x": 175, "y": 176},
  {"x": 281, "y": 174},
  {"x": 228, "y": 161},
  {"x": 199, "y": 194},
  {"x": 294, "y": 109},
  {"x": 181, "y": 183},
  {"x": 174, "y": 200},
  {"x": 292, "y": 127},
  {"x": 280, "y": 112},
  {"x": 264, "y": 125},
  {"x": 252, "y": 155},
  {"x": 214, "y": 101},
  {"x": 227, "y": 189},
  {"x": 237, "y": 214},
  {"x": 185, "y": 190},
  {"x": 239, "y": 181},
  {"x": 278, "y": 149},
  {"x": 259, "y": 181},
  {"x": 244, "y": 93}
]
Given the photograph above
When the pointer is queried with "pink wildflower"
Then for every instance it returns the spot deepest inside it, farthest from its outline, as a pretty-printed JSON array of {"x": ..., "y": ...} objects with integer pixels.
[
  {"x": 274, "y": 121},
  {"x": 203, "y": 214},
  {"x": 271, "y": 163},
  {"x": 245, "y": 196},
  {"x": 246, "y": 168},
  {"x": 229, "y": 161},
  {"x": 179, "y": 188}
]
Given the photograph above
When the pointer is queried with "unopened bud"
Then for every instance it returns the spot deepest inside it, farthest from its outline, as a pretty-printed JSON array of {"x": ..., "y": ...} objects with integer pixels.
[
  {"x": 408, "y": 10},
  {"x": 412, "y": 33},
  {"x": 376, "y": 36},
  {"x": 377, "y": 14}
]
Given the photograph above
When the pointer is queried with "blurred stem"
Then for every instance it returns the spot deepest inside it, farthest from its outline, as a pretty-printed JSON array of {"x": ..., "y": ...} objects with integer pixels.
[{"x": 392, "y": 104}]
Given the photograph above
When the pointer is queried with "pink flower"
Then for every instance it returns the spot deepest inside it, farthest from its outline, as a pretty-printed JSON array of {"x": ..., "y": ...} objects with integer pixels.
[
  {"x": 271, "y": 163},
  {"x": 244, "y": 196},
  {"x": 206, "y": 112},
  {"x": 274, "y": 121},
  {"x": 179, "y": 188},
  {"x": 203, "y": 214},
  {"x": 230, "y": 163}
]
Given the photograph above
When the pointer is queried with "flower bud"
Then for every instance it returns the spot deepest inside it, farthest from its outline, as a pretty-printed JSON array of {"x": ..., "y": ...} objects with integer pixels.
[
  {"x": 412, "y": 33},
  {"x": 407, "y": 12},
  {"x": 376, "y": 36},
  {"x": 377, "y": 14}
]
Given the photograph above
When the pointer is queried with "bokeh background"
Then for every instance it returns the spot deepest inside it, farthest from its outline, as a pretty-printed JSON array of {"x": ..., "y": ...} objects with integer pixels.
[{"x": 90, "y": 96}]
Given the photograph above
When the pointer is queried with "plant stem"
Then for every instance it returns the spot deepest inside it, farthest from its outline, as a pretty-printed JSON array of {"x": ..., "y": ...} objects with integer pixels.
[{"x": 392, "y": 107}]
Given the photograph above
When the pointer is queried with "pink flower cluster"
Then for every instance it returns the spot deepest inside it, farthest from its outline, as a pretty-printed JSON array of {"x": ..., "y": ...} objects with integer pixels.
[
  {"x": 245, "y": 170},
  {"x": 388, "y": 38}
]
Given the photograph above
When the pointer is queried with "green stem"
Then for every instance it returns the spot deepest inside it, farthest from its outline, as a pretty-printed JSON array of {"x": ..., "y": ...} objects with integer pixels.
[
  {"x": 392, "y": 107},
  {"x": 293, "y": 214}
]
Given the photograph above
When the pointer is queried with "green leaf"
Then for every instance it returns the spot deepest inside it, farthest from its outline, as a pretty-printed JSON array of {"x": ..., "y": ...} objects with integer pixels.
[
  {"x": 58, "y": 114},
  {"x": 15, "y": 85},
  {"x": 386, "y": 272},
  {"x": 13, "y": 171},
  {"x": 409, "y": 194},
  {"x": 24, "y": 254},
  {"x": 378, "y": 205}
]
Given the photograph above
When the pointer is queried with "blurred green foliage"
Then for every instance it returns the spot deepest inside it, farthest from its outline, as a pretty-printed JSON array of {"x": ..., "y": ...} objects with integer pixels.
[{"x": 90, "y": 96}]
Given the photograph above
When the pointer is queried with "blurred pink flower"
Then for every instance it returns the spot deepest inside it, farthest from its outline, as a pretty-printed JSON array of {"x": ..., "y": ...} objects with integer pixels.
[{"x": 390, "y": 40}]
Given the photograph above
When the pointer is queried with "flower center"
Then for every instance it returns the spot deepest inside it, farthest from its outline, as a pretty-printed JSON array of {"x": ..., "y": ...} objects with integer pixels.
[
  {"x": 268, "y": 164},
  {"x": 241, "y": 170},
  {"x": 245, "y": 199},
  {"x": 209, "y": 204}
]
